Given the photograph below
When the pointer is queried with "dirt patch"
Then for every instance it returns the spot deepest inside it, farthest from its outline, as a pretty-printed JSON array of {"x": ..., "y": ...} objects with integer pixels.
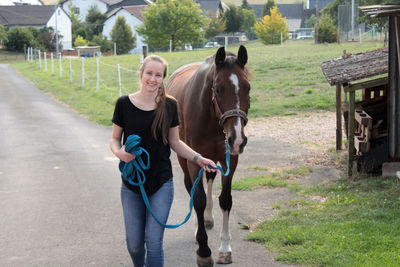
[{"x": 314, "y": 131}]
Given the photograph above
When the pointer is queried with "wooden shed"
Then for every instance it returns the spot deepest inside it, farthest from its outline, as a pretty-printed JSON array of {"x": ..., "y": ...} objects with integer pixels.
[
  {"x": 359, "y": 128},
  {"x": 365, "y": 120}
]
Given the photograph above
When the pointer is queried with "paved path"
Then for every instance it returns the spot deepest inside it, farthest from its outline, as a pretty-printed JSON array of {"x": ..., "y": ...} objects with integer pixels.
[{"x": 59, "y": 189}]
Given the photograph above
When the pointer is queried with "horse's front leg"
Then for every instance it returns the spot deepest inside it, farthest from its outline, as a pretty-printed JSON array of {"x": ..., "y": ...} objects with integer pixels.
[
  {"x": 208, "y": 215},
  {"x": 204, "y": 258},
  {"x": 225, "y": 203}
]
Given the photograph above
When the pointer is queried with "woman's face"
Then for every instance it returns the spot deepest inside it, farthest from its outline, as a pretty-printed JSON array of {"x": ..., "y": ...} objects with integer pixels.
[{"x": 152, "y": 76}]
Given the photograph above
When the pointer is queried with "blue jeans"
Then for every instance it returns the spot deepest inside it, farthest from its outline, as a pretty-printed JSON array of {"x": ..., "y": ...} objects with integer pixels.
[{"x": 142, "y": 231}]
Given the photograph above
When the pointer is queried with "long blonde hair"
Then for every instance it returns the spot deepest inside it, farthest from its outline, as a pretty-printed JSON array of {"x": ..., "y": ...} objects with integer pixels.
[{"x": 160, "y": 116}]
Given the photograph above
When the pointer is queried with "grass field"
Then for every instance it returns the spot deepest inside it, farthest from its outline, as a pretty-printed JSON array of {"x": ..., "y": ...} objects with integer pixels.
[
  {"x": 284, "y": 80},
  {"x": 348, "y": 223}
]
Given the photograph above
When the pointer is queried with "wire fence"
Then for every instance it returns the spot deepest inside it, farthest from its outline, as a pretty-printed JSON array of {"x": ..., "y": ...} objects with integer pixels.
[
  {"x": 11, "y": 56},
  {"x": 103, "y": 75}
]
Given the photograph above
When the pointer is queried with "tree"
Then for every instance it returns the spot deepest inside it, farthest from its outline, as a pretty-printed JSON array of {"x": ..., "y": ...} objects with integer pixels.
[
  {"x": 17, "y": 38},
  {"x": 310, "y": 22},
  {"x": 234, "y": 18},
  {"x": 122, "y": 35},
  {"x": 214, "y": 26},
  {"x": 103, "y": 42},
  {"x": 270, "y": 28},
  {"x": 3, "y": 34},
  {"x": 77, "y": 27},
  {"x": 94, "y": 22},
  {"x": 267, "y": 7},
  {"x": 177, "y": 20},
  {"x": 249, "y": 20},
  {"x": 327, "y": 32},
  {"x": 245, "y": 5}
]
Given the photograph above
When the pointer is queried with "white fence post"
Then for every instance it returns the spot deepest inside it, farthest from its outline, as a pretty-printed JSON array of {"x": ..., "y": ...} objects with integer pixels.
[
  {"x": 359, "y": 30},
  {"x": 83, "y": 71},
  {"x": 119, "y": 80},
  {"x": 40, "y": 59},
  {"x": 59, "y": 60},
  {"x": 52, "y": 64},
  {"x": 27, "y": 58},
  {"x": 70, "y": 69},
  {"x": 45, "y": 61},
  {"x": 97, "y": 74}
]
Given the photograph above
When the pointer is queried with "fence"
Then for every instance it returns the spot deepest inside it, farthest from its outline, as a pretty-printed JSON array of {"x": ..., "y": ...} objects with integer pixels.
[
  {"x": 102, "y": 75},
  {"x": 11, "y": 56}
]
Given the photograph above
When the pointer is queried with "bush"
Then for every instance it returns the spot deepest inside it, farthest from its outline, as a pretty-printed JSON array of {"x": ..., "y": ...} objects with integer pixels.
[
  {"x": 327, "y": 32},
  {"x": 103, "y": 42},
  {"x": 79, "y": 41},
  {"x": 17, "y": 38}
]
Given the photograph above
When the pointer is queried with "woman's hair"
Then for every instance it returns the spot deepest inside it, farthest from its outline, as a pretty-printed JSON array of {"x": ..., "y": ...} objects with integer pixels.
[{"x": 160, "y": 120}]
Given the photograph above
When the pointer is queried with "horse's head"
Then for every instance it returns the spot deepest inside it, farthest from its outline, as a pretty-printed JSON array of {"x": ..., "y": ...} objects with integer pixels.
[{"x": 231, "y": 97}]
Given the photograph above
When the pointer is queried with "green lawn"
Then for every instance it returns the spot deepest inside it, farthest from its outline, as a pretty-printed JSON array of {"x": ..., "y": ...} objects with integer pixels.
[
  {"x": 284, "y": 80},
  {"x": 349, "y": 223}
]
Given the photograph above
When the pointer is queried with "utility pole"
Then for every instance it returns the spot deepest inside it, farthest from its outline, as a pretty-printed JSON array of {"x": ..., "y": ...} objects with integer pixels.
[
  {"x": 352, "y": 20},
  {"x": 56, "y": 7},
  {"x": 316, "y": 22}
]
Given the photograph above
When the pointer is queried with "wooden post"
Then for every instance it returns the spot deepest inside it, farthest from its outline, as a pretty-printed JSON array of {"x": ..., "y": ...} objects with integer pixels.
[
  {"x": 352, "y": 98},
  {"x": 70, "y": 69},
  {"x": 338, "y": 117},
  {"x": 119, "y": 81},
  {"x": 83, "y": 71},
  {"x": 97, "y": 75}
]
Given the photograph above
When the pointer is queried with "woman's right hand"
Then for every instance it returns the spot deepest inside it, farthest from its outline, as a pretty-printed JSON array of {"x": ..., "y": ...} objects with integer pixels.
[{"x": 125, "y": 156}]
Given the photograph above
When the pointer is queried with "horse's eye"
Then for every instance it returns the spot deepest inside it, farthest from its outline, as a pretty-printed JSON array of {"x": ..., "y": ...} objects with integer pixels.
[
  {"x": 218, "y": 90},
  {"x": 248, "y": 89}
]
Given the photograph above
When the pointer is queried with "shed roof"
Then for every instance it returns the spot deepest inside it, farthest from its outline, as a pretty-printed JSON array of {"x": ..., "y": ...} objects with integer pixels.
[
  {"x": 350, "y": 68},
  {"x": 381, "y": 10}
]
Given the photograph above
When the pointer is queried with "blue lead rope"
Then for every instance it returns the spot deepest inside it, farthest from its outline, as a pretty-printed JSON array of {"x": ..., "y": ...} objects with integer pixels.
[{"x": 134, "y": 169}]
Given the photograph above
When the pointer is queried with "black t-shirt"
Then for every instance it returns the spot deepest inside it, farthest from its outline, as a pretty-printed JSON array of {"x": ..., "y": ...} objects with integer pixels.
[{"x": 136, "y": 121}]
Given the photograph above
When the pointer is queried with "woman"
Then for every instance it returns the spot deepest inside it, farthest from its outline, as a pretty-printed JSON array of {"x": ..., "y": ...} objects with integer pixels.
[{"x": 153, "y": 115}]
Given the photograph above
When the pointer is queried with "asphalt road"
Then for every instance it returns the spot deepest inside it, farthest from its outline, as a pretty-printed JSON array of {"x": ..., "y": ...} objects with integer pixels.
[{"x": 59, "y": 190}]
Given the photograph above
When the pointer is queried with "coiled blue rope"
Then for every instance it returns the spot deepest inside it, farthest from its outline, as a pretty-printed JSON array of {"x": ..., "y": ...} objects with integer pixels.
[{"x": 134, "y": 169}]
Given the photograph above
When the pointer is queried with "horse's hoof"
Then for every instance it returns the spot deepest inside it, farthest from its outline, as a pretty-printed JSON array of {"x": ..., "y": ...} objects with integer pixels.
[
  {"x": 205, "y": 262},
  {"x": 209, "y": 224},
  {"x": 225, "y": 258}
]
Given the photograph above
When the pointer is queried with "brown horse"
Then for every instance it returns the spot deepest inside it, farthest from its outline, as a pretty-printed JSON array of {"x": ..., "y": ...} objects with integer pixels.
[{"x": 213, "y": 99}]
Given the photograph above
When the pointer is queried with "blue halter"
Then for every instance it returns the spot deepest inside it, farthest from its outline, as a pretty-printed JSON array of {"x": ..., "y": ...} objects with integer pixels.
[{"x": 134, "y": 169}]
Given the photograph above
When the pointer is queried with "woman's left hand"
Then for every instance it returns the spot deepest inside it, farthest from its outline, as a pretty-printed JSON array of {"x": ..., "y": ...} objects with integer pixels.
[{"x": 206, "y": 163}]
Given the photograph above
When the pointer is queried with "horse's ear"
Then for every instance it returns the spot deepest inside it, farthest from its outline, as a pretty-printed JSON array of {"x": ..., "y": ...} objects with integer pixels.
[
  {"x": 242, "y": 56},
  {"x": 220, "y": 57}
]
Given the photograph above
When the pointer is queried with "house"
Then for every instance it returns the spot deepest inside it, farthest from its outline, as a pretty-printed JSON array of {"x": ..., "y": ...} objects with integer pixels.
[
  {"x": 321, "y": 3},
  {"x": 133, "y": 16},
  {"x": 214, "y": 7},
  {"x": 293, "y": 14},
  {"x": 129, "y": 3},
  {"x": 20, "y": 2},
  {"x": 38, "y": 16},
  {"x": 81, "y": 8}
]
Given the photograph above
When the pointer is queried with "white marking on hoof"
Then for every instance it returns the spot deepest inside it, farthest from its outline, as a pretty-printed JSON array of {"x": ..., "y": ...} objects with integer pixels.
[{"x": 225, "y": 258}]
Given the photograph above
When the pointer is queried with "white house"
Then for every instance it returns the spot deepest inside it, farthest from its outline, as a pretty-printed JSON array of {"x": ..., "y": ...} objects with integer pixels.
[
  {"x": 133, "y": 16},
  {"x": 81, "y": 7},
  {"x": 20, "y": 2},
  {"x": 38, "y": 16}
]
